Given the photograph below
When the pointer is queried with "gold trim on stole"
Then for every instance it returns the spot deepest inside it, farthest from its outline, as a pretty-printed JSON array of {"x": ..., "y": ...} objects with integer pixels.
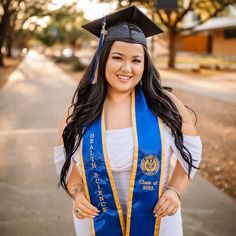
[
  {"x": 85, "y": 184},
  {"x": 135, "y": 163},
  {"x": 125, "y": 231},
  {"x": 158, "y": 220},
  {"x": 113, "y": 186}
]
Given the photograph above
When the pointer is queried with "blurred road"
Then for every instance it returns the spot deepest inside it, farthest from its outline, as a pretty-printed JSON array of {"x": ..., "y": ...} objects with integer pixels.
[
  {"x": 31, "y": 106},
  {"x": 215, "y": 84}
]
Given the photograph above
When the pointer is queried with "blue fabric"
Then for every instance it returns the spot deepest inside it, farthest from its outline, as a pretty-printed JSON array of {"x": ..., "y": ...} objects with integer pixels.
[
  {"x": 101, "y": 195},
  {"x": 146, "y": 182},
  {"x": 149, "y": 143}
]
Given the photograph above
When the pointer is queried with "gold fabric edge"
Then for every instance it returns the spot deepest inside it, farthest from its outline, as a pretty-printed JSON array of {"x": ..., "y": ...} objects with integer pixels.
[
  {"x": 135, "y": 163},
  {"x": 85, "y": 184},
  {"x": 113, "y": 186},
  {"x": 158, "y": 220}
]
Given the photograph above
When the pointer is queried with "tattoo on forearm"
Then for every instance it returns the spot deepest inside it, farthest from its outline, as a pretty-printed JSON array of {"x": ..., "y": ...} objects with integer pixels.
[{"x": 76, "y": 188}]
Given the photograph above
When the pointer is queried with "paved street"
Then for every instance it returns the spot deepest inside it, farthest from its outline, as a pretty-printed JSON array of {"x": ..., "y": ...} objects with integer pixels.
[
  {"x": 31, "y": 106},
  {"x": 219, "y": 85}
]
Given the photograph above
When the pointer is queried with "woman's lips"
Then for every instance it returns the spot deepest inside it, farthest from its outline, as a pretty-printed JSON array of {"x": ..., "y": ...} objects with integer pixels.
[{"x": 124, "y": 77}]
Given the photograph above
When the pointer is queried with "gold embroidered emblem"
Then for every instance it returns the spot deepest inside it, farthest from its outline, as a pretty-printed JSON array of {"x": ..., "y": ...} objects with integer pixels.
[{"x": 150, "y": 165}]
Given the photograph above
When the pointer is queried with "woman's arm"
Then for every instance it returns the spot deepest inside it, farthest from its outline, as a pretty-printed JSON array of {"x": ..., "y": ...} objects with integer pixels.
[
  {"x": 169, "y": 202},
  {"x": 75, "y": 185},
  {"x": 179, "y": 178},
  {"x": 187, "y": 125}
]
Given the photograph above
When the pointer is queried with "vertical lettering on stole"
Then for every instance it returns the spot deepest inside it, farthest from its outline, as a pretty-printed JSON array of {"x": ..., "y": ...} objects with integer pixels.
[{"x": 100, "y": 196}]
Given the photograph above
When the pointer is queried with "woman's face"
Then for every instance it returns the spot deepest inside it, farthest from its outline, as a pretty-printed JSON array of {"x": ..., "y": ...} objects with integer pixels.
[{"x": 124, "y": 67}]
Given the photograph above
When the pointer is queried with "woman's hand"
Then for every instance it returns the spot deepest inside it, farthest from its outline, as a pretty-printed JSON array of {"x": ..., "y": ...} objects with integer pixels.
[
  {"x": 167, "y": 204},
  {"x": 82, "y": 207}
]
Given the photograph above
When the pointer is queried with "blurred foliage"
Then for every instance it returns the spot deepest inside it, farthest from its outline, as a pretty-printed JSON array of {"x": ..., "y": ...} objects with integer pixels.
[
  {"x": 75, "y": 61},
  {"x": 64, "y": 59},
  {"x": 171, "y": 20},
  {"x": 64, "y": 28},
  {"x": 25, "y": 19},
  {"x": 13, "y": 16},
  {"x": 78, "y": 65}
]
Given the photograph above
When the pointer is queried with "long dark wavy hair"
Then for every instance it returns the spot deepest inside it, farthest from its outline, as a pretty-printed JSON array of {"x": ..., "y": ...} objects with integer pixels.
[{"x": 87, "y": 105}]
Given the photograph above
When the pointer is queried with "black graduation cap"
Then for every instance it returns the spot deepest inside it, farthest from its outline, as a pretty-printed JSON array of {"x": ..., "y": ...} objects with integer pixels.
[{"x": 129, "y": 24}]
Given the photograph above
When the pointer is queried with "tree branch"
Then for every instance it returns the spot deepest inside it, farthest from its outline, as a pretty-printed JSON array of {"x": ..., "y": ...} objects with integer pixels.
[
  {"x": 185, "y": 11},
  {"x": 161, "y": 18}
]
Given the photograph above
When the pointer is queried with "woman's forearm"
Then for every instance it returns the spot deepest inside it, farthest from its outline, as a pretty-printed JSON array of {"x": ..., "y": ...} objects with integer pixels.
[
  {"x": 169, "y": 201},
  {"x": 179, "y": 179},
  {"x": 75, "y": 183}
]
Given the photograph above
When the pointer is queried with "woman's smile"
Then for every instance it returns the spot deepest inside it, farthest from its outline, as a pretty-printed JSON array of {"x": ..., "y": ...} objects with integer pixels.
[{"x": 124, "y": 77}]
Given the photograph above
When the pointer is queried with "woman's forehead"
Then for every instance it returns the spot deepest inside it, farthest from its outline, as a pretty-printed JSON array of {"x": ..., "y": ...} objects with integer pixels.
[{"x": 125, "y": 48}]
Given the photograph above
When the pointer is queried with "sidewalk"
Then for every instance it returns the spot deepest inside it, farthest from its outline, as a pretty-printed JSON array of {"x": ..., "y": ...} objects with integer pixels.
[
  {"x": 31, "y": 106},
  {"x": 207, "y": 211},
  {"x": 216, "y": 84},
  {"x": 32, "y": 103}
]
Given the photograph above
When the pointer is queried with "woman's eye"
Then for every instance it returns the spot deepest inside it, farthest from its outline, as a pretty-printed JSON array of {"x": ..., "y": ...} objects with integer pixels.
[
  {"x": 117, "y": 58},
  {"x": 136, "y": 61}
]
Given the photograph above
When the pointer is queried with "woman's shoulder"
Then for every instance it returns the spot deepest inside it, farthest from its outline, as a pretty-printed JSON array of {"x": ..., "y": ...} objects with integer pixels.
[
  {"x": 188, "y": 124},
  {"x": 179, "y": 104}
]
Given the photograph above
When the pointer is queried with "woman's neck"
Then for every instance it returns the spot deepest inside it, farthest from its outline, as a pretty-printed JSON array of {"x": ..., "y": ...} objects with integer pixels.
[
  {"x": 117, "y": 108},
  {"x": 116, "y": 97}
]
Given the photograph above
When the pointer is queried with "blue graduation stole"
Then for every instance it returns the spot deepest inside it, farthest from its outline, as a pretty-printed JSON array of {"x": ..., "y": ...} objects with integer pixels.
[{"x": 146, "y": 175}]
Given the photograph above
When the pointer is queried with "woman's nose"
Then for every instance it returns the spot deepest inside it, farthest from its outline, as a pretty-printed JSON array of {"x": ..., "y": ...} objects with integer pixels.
[{"x": 126, "y": 67}]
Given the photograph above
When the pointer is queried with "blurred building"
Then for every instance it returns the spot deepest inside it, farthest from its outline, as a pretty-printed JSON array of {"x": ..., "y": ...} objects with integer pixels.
[{"x": 217, "y": 36}]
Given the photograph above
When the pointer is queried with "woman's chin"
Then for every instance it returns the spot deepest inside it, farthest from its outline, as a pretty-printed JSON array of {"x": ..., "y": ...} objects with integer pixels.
[{"x": 123, "y": 88}]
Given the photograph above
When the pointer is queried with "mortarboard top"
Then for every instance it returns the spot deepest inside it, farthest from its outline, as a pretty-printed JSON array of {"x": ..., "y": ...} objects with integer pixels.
[{"x": 129, "y": 24}]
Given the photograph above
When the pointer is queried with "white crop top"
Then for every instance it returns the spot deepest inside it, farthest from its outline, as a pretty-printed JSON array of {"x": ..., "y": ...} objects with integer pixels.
[{"x": 120, "y": 145}]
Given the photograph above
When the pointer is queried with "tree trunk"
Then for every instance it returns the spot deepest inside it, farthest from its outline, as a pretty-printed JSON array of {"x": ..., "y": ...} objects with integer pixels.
[
  {"x": 172, "y": 49},
  {"x": 9, "y": 47},
  {"x": 1, "y": 54},
  {"x": 4, "y": 27},
  {"x": 1, "y": 59},
  {"x": 1, "y": 45},
  {"x": 9, "y": 44}
]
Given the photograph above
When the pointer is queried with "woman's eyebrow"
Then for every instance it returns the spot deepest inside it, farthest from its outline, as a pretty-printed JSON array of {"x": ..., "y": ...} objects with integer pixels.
[
  {"x": 123, "y": 54},
  {"x": 118, "y": 53}
]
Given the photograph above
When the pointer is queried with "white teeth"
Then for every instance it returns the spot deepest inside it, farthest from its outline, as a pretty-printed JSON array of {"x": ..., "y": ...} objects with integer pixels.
[{"x": 124, "y": 77}]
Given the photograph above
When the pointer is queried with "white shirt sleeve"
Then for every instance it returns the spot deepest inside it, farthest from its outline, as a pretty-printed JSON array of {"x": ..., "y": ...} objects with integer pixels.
[
  {"x": 59, "y": 160},
  {"x": 194, "y": 145}
]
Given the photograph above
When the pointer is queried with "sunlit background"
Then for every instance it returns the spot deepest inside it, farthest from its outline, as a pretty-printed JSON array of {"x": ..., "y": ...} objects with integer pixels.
[{"x": 44, "y": 52}]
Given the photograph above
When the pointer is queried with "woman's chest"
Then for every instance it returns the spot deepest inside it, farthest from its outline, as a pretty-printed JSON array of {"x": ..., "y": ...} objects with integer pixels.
[{"x": 118, "y": 117}]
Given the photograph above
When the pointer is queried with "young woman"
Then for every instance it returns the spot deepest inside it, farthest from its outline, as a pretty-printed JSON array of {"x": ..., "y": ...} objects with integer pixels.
[{"x": 117, "y": 139}]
